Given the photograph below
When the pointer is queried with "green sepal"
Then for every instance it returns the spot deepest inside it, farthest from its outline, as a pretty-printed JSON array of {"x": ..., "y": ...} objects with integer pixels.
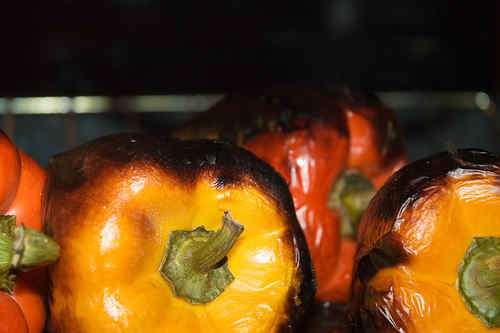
[{"x": 479, "y": 279}]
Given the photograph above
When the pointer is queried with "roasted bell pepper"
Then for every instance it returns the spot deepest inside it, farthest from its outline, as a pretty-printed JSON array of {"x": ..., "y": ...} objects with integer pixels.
[
  {"x": 22, "y": 247},
  {"x": 430, "y": 249},
  {"x": 334, "y": 148},
  {"x": 171, "y": 236}
]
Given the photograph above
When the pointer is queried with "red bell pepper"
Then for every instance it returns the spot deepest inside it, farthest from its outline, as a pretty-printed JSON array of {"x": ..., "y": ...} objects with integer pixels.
[{"x": 334, "y": 148}]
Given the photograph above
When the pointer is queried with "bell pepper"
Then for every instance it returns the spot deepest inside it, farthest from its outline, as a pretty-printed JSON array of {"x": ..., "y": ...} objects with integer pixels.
[
  {"x": 170, "y": 236},
  {"x": 334, "y": 148},
  {"x": 429, "y": 250},
  {"x": 22, "y": 246}
]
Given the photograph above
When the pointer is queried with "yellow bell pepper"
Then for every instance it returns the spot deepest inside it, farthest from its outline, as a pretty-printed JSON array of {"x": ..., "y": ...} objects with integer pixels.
[
  {"x": 170, "y": 236},
  {"x": 429, "y": 259}
]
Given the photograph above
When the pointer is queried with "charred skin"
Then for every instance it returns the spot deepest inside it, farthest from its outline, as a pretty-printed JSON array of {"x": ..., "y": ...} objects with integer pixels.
[
  {"x": 375, "y": 148},
  {"x": 313, "y": 136},
  {"x": 413, "y": 237},
  {"x": 143, "y": 182}
]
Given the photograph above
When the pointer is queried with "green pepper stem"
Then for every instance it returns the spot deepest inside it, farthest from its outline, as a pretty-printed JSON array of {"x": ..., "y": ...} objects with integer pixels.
[
  {"x": 479, "y": 279},
  {"x": 195, "y": 264},
  {"x": 351, "y": 195},
  {"x": 494, "y": 263},
  {"x": 217, "y": 246},
  {"x": 22, "y": 249},
  {"x": 37, "y": 249}
]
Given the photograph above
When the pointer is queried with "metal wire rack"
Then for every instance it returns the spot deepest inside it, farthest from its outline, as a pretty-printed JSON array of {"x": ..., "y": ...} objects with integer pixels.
[{"x": 45, "y": 125}]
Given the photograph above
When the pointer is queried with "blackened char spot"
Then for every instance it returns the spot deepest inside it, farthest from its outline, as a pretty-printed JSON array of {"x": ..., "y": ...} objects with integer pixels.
[
  {"x": 383, "y": 313},
  {"x": 68, "y": 169},
  {"x": 388, "y": 251},
  {"x": 228, "y": 164},
  {"x": 241, "y": 116},
  {"x": 298, "y": 312}
]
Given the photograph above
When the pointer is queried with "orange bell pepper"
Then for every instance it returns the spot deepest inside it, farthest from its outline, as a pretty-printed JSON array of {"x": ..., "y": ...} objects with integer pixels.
[{"x": 429, "y": 255}]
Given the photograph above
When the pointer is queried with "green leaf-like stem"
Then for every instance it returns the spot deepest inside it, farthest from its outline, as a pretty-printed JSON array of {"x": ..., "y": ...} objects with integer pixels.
[
  {"x": 22, "y": 249},
  {"x": 196, "y": 261},
  {"x": 479, "y": 279},
  {"x": 350, "y": 195}
]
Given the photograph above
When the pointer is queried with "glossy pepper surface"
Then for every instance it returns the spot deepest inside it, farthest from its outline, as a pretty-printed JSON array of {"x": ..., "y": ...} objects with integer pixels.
[
  {"x": 171, "y": 236},
  {"x": 22, "y": 183},
  {"x": 334, "y": 148},
  {"x": 430, "y": 248}
]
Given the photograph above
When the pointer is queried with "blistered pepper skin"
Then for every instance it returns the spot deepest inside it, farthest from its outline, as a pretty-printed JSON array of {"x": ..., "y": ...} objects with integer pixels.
[
  {"x": 312, "y": 136},
  {"x": 413, "y": 238},
  {"x": 112, "y": 206}
]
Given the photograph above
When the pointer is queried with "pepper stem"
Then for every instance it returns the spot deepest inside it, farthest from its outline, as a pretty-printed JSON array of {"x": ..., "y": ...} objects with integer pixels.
[
  {"x": 22, "y": 249},
  {"x": 195, "y": 261},
  {"x": 217, "y": 246},
  {"x": 350, "y": 195},
  {"x": 479, "y": 279}
]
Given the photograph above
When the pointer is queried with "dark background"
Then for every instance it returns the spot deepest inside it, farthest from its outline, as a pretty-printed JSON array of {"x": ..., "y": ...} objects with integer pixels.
[
  {"x": 131, "y": 47},
  {"x": 111, "y": 47}
]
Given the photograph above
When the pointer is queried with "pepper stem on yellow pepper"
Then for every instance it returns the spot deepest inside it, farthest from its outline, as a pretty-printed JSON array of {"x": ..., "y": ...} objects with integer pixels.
[
  {"x": 218, "y": 246},
  {"x": 195, "y": 261},
  {"x": 22, "y": 249},
  {"x": 479, "y": 279}
]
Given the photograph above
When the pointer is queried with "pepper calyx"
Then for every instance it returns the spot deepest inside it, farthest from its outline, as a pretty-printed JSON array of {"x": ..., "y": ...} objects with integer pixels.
[
  {"x": 351, "y": 195},
  {"x": 22, "y": 249},
  {"x": 195, "y": 262},
  {"x": 479, "y": 279}
]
